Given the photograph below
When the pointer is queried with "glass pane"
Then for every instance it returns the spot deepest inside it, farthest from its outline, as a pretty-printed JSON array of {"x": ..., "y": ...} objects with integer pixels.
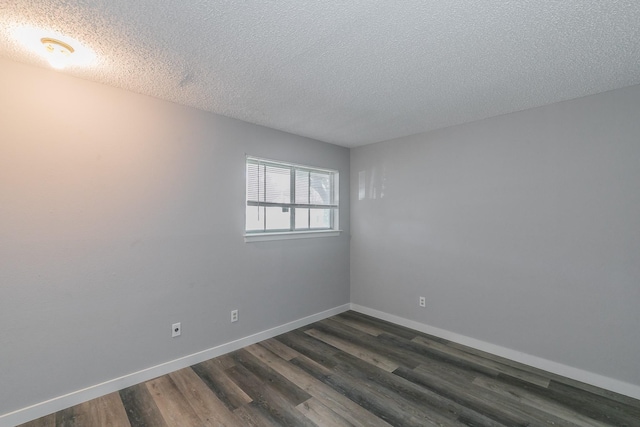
[
  {"x": 302, "y": 219},
  {"x": 302, "y": 186},
  {"x": 254, "y": 218},
  {"x": 320, "y": 188},
  {"x": 278, "y": 218},
  {"x": 278, "y": 188},
  {"x": 255, "y": 182},
  {"x": 320, "y": 218}
]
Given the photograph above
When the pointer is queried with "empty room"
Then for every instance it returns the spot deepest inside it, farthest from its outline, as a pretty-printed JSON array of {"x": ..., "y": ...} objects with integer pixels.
[{"x": 266, "y": 213}]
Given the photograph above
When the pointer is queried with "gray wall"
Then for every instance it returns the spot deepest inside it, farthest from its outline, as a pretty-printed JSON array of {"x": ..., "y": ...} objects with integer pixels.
[
  {"x": 121, "y": 214},
  {"x": 522, "y": 231}
]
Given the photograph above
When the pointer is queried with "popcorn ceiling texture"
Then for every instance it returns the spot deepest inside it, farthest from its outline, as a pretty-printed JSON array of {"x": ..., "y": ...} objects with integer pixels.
[{"x": 346, "y": 72}]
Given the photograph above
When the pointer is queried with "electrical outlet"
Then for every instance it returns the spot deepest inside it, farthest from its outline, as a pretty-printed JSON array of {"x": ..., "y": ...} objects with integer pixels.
[
  {"x": 423, "y": 302},
  {"x": 234, "y": 315},
  {"x": 176, "y": 330}
]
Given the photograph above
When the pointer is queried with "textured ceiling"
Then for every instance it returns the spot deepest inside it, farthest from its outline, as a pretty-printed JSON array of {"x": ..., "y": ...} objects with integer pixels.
[{"x": 346, "y": 72}]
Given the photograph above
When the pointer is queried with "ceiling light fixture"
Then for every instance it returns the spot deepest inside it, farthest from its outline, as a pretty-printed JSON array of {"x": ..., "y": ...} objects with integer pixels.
[
  {"x": 58, "y": 52},
  {"x": 61, "y": 51}
]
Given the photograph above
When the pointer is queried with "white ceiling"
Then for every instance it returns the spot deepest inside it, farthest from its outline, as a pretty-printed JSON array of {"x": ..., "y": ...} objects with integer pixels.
[{"x": 347, "y": 72}]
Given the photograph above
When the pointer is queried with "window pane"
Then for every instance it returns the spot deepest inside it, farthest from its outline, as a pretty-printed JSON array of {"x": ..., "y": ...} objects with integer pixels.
[
  {"x": 302, "y": 186},
  {"x": 320, "y": 218},
  {"x": 278, "y": 218},
  {"x": 266, "y": 183},
  {"x": 255, "y": 218},
  {"x": 320, "y": 188},
  {"x": 278, "y": 188},
  {"x": 255, "y": 182},
  {"x": 302, "y": 218}
]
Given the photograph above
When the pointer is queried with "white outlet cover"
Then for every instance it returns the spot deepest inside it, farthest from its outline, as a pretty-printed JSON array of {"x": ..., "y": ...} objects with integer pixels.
[
  {"x": 176, "y": 330},
  {"x": 234, "y": 315}
]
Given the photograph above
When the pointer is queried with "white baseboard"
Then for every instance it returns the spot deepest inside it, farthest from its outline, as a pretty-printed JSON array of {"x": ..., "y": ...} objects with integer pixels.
[
  {"x": 597, "y": 380},
  {"x": 61, "y": 402}
]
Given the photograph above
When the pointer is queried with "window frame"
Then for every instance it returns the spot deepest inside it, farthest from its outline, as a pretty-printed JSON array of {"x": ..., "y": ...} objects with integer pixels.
[{"x": 292, "y": 232}]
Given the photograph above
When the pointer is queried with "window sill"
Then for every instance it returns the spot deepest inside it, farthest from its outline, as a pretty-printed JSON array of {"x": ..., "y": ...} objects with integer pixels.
[{"x": 289, "y": 235}]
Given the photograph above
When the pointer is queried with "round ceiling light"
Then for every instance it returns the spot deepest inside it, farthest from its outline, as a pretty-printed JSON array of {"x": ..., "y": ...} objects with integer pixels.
[{"x": 58, "y": 52}]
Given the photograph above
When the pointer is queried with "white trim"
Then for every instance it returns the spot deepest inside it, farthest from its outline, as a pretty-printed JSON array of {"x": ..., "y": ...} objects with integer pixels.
[
  {"x": 591, "y": 378},
  {"x": 61, "y": 402},
  {"x": 288, "y": 235}
]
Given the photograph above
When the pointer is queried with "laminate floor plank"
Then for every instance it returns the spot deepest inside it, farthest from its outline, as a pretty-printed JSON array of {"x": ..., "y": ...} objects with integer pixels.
[
  {"x": 534, "y": 401},
  {"x": 389, "y": 327},
  {"x": 108, "y": 411},
  {"x": 496, "y": 366},
  {"x": 355, "y": 350},
  {"x": 418, "y": 400},
  {"x": 553, "y": 378},
  {"x": 481, "y": 401},
  {"x": 362, "y": 327},
  {"x": 339, "y": 403},
  {"x": 321, "y": 415},
  {"x": 253, "y": 416},
  {"x": 222, "y": 386},
  {"x": 210, "y": 410},
  {"x": 290, "y": 391},
  {"x": 140, "y": 407},
  {"x": 379, "y": 324},
  {"x": 267, "y": 400},
  {"x": 368, "y": 342},
  {"x": 354, "y": 370},
  {"x": 306, "y": 345},
  {"x": 72, "y": 417},
  {"x": 276, "y": 347},
  {"x": 427, "y": 353},
  {"x": 365, "y": 395},
  {"x": 174, "y": 407},
  {"x": 591, "y": 405}
]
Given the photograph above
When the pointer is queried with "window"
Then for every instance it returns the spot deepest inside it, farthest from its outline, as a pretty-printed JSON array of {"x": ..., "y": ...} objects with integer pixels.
[{"x": 288, "y": 198}]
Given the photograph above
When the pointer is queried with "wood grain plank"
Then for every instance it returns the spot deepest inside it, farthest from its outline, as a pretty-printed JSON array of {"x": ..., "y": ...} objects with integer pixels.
[
  {"x": 222, "y": 386},
  {"x": 535, "y": 401},
  {"x": 343, "y": 406},
  {"x": 389, "y": 327},
  {"x": 553, "y": 378},
  {"x": 588, "y": 404},
  {"x": 276, "y": 347},
  {"x": 478, "y": 399},
  {"x": 362, "y": 327},
  {"x": 253, "y": 416},
  {"x": 173, "y": 406},
  {"x": 396, "y": 354},
  {"x": 355, "y": 350},
  {"x": 308, "y": 346},
  {"x": 412, "y": 398},
  {"x": 321, "y": 415},
  {"x": 400, "y": 331},
  {"x": 140, "y": 407},
  {"x": 427, "y": 355},
  {"x": 267, "y": 400},
  {"x": 108, "y": 411},
  {"x": 290, "y": 391},
  {"x": 365, "y": 395},
  {"x": 210, "y": 410},
  {"x": 496, "y": 366},
  {"x": 71, "y": 417}
]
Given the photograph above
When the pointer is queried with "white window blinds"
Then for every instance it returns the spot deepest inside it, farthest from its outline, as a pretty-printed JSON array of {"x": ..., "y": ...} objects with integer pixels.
[{"x": 288, "y": 197}]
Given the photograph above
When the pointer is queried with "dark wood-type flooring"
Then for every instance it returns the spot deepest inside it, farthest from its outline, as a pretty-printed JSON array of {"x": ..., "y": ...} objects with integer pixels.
[{"x": 354, "y": 370}]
